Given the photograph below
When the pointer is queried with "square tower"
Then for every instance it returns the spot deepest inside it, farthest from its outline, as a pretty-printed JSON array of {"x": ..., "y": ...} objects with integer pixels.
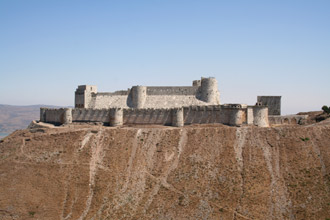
[
  {"x": 273, "y": 103},
  {"x": 83, "y": 95}
]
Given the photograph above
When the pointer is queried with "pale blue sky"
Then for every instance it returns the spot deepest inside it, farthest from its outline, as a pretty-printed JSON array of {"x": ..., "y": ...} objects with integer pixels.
[{"x": 253, "y": 48}]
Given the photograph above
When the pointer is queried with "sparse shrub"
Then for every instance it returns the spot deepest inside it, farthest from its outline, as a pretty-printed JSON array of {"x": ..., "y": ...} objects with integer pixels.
[
  {"x": 31, "y": 213},
  {"x": 326, "y": 109},
  {"x": 304, "y": 139}
]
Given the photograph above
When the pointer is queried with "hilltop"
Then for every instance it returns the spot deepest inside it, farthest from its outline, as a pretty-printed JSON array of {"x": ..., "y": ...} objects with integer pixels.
[{"x": 90, "y": 171}]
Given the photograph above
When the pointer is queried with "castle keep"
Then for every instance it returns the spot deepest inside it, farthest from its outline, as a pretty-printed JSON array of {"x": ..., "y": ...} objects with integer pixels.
[
  {"x": 202, "y": 92},
  {"x": 176, "y": 106}
]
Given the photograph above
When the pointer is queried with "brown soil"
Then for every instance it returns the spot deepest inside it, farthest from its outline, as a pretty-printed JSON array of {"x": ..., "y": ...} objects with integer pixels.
[{"x": 143, "y": 172}]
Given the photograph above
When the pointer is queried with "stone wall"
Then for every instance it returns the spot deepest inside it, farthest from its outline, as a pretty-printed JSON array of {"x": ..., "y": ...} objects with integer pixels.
[
  {"x": 90, "y": 115},
  {"x": 104, "y": 100},
  {"x": 203, "y": 92},
  {"x": 234, "y": 115},
  {"x": 100, "y": 101},
  {"x": 287, "y": 119},
  {"x": 148, "y": 116},
  {"x": 172, "y": 90}
]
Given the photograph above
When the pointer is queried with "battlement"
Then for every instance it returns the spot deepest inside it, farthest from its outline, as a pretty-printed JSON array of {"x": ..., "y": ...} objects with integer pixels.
[{"x": 159, "y": 116}]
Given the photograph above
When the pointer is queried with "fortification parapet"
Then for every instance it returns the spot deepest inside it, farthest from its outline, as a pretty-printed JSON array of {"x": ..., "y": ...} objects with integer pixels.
[
  {"x": 234, "y": 106},
  {"x": 260, "y": 116},
  {"x": 116, "y": 117},
  {"x": 209, "y": 91},
  {"x": 138, "y": 95},
  {"x": 177, "y": 117}
]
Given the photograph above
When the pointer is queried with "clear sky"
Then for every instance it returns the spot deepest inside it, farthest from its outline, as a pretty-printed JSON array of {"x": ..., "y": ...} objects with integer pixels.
[{"x": 253, "y": 48}]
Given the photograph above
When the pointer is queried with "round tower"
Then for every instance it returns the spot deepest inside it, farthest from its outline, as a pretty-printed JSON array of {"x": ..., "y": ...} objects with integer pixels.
[
  {"x": 260, "y": 116},
  {"x": 177, "y": 117},
  {"x": 116, "y": 117},
  {"x": 67, "y": 116},
  {"x": 236, "y": 117},
  {"x": 209, "y": 91},
  {"x": 139, "y": 95}
]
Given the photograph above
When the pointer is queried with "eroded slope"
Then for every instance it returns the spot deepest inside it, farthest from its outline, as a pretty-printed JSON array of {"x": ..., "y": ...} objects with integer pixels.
[{"x": 194, "y": 172}]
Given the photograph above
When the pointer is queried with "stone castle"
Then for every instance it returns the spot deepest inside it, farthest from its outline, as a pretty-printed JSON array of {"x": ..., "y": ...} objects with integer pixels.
[{"x": 176, "y": 106}]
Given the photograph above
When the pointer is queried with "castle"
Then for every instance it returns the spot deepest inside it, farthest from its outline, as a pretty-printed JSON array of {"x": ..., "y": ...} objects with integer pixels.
[{"x": 176, "y": 106}]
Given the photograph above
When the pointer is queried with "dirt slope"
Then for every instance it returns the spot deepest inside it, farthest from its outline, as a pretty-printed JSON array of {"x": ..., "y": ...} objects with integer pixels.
[{"x": 195, "y": 172}]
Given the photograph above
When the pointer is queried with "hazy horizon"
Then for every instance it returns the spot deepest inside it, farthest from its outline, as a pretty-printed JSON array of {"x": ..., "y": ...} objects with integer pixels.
[{"x": 48, "y": 48}]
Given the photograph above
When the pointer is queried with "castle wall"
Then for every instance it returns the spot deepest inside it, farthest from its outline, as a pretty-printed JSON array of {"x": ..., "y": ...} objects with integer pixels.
[
  {"x": 148, "y": 116},
  {"x": 105, "y": 100},
  {"x": 202, "y": 114},
  {"x": 172, "y": 90},
  {"x": 90, "y": 115},
  {"x": 100, "y": 101},
  {"x": 287, "y": 119},
  {"x": 172, "y": 101},
  {"x": 230, "y": 115}
]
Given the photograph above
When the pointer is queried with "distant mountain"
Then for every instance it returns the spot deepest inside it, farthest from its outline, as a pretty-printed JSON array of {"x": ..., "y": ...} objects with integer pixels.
[{"x": 14, "y": 117}]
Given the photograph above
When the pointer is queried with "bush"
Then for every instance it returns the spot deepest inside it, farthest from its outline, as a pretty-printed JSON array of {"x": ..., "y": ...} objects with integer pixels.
[
  {"x": 326, "y": 109},
  {"x": 32, "y": 213},
  {"x": 304, "y": 139}
]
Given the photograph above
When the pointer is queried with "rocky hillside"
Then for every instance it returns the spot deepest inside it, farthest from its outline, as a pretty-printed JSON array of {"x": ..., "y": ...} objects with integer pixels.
[{"x": 194, "y": 172}]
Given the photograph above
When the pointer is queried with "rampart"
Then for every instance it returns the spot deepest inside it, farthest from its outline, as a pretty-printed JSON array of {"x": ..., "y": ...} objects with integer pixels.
[{"x": 234, "y": 115}]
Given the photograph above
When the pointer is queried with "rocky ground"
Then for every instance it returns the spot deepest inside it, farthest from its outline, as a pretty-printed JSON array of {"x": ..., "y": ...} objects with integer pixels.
[{"x": 158, "y": 172}]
